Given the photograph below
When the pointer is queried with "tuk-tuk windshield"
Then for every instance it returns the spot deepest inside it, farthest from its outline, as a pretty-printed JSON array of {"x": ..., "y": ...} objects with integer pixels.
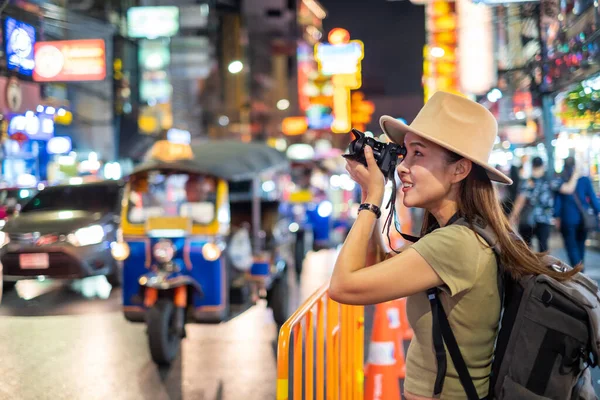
[{"x": 160, "y": 194}]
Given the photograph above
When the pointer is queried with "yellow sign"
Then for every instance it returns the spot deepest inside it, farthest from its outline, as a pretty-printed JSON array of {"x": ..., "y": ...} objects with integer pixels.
[
  {"x": 167, "y": 151},
  {"x": 342, "y": 60}
]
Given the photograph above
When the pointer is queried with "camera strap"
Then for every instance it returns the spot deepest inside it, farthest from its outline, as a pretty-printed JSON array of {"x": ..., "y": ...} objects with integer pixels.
[{"x": 391, "y": 205}]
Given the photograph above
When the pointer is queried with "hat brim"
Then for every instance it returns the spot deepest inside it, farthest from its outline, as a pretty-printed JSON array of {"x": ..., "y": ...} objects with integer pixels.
[{"x": 396, "y": 130}]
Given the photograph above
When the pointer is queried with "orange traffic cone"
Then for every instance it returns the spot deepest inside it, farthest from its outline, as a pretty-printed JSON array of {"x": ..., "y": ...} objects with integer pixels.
[
  {"x": 393, "y": 314},
  {"x": 407, "y": 332},
  {"x": 381, "y": 371}
]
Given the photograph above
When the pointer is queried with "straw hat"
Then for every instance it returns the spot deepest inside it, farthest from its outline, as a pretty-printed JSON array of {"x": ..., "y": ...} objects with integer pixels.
[{"x": 455, "y": 123}]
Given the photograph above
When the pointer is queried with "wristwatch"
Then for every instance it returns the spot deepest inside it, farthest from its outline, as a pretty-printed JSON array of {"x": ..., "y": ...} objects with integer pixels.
[{"x": 371, "y": 207}]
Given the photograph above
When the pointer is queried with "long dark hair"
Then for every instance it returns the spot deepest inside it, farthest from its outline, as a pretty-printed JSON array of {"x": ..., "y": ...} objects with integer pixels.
[
  {"x": 478, "y": 197},
  {"x": 568, "y": 169}
]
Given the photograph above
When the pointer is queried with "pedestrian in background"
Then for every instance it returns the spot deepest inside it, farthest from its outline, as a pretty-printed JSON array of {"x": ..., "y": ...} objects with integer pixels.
[
  {"x": 513, "y": 190},
  {"x": 533, "y": 212},
  {"x": 575, "y": 193}
]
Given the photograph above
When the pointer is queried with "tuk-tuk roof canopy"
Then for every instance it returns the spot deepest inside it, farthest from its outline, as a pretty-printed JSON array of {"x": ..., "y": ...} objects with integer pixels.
[{"x": 229, "y": 160}]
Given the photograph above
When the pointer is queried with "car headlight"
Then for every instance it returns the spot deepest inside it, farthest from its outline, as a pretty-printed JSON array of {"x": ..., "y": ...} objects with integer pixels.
[
  {"x": 211, "y": 252},
  {"x": 87, "y": 236},
  {"x": 119, "y": 250},
  {"x": 163, "y": 251}
]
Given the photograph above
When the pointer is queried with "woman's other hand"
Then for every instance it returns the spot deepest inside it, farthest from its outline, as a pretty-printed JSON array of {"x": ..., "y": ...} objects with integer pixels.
[{"x": 370, "y": 178}]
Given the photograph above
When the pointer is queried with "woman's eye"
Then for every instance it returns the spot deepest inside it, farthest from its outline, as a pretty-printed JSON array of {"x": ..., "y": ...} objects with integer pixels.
[{"x": 418, "y": 153}]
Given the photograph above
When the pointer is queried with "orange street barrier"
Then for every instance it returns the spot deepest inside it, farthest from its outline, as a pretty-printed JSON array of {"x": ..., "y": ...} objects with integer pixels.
[
  {"x": 324, "y": 333},
  {"x": 382, "y": 369}
]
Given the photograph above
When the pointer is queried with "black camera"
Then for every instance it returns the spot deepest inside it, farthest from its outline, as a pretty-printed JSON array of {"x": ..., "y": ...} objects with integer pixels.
[{"x": 386, "y": 154}]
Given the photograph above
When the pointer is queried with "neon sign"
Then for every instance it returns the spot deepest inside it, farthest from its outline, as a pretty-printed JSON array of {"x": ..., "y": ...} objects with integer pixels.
[
  {"x": 342, "y": 60},
  {"x": 31, "y": 125},
  {"x": 20, "y": 39},
  {"x": 70, "y": 60},
  {"x": 335, "y": 59},
  {"x": 152, "y": 22}
]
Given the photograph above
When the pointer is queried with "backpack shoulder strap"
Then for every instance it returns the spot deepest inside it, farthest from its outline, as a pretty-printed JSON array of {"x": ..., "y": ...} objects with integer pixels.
[
  {"x": 442, "y": 333},
  {"x": 483, "y": 229}
]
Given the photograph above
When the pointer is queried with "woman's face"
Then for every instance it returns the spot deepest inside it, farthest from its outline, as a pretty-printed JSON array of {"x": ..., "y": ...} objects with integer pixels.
[{"x": 425, "y": 173}]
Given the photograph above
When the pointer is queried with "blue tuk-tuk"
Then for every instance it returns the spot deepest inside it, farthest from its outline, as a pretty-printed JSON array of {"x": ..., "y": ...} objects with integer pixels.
[{"x": 202, "y": 238}]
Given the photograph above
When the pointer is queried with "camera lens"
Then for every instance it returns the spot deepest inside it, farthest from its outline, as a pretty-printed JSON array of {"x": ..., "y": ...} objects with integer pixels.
[{"x": 357, "y": 146}]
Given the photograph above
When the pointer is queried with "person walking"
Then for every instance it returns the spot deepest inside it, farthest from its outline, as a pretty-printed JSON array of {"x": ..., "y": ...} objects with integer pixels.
[
  {"x": 533, "y": 212},
  {"x": 575, "y": 197}
]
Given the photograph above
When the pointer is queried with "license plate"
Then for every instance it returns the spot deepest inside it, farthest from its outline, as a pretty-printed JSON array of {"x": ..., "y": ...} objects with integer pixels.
[{"x": 34, "y": 261}]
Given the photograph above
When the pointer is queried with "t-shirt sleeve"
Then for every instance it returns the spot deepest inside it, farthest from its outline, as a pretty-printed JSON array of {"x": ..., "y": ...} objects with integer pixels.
[{"x": 454, "y": 254}]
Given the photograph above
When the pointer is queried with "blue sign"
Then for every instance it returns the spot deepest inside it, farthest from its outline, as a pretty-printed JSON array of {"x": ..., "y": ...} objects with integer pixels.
[
  {"x": 319, "y": 117},
  {"x": 20, "y": 39}
]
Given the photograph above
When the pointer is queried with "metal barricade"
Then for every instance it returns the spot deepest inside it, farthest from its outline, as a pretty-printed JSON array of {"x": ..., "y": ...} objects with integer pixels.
[{"x": 326, "y": 339}]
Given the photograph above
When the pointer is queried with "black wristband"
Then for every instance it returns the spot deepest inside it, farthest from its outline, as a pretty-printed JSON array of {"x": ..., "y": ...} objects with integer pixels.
[{"x": 371, "y": 207}]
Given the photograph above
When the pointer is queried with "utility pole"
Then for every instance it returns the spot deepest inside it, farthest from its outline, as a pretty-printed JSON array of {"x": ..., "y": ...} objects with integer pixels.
[{"x": 548, "y": 9}]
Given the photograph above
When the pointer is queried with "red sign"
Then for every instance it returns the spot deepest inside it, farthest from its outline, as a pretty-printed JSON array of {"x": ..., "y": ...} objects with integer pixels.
[{"x": 70, "y": 60}]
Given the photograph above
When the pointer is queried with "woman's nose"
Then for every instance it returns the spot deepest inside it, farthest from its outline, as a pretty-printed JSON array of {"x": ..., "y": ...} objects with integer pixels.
[{"x": 402, "y": 169}]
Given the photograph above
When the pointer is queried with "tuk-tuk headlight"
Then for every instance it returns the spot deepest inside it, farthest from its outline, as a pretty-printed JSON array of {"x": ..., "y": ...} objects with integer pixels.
[
  {"x": 211, "y": 252},
  {"x": 119, "y": 250},
  {"x": 163, "y": 251}
]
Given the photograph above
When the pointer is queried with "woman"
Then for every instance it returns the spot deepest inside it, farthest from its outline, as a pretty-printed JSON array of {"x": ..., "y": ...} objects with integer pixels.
[
  {"x": 445, "y": 171},
  {"x": 566, "y": 211}
]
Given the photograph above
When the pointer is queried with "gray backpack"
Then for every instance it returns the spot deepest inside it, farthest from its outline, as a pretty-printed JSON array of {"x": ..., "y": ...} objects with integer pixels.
[{"x": 549, "y": 335}]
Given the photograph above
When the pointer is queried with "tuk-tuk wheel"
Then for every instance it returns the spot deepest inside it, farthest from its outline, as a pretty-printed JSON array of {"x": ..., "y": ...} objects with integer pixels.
[
  {"x": 278, "y": 299},
  {"x": 115, "y": 277},
  {"x": 6, "y": 286},
  {"x": 164, "y": 334}
]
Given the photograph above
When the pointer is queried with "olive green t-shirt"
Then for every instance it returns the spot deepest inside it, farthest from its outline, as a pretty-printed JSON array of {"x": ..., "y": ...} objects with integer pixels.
[{"x": 470, "y": 297}]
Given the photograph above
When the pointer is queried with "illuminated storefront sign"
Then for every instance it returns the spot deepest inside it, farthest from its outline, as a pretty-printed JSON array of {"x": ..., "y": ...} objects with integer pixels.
[
  {"x": 440, "y": 66},
  {"x": 341, "y": 56},
  {"x": 477, "y": 67},
  {"x": 19, "y": 39},
  {"x": 152, "y": 22},
  {"x": 154, "y": 55},
  {"x": 59, "y": 145},
  {"x": 70, "y": 60},
  {"x": 319, "y": 117},
  {"x": 33, "y": 126},
  {"x": 342, "y": 60},
  {"x": 294, "y": 126}
]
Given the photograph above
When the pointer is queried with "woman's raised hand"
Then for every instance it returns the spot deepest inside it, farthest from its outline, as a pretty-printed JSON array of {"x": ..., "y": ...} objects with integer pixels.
[{"x": 370, "y": 178}]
